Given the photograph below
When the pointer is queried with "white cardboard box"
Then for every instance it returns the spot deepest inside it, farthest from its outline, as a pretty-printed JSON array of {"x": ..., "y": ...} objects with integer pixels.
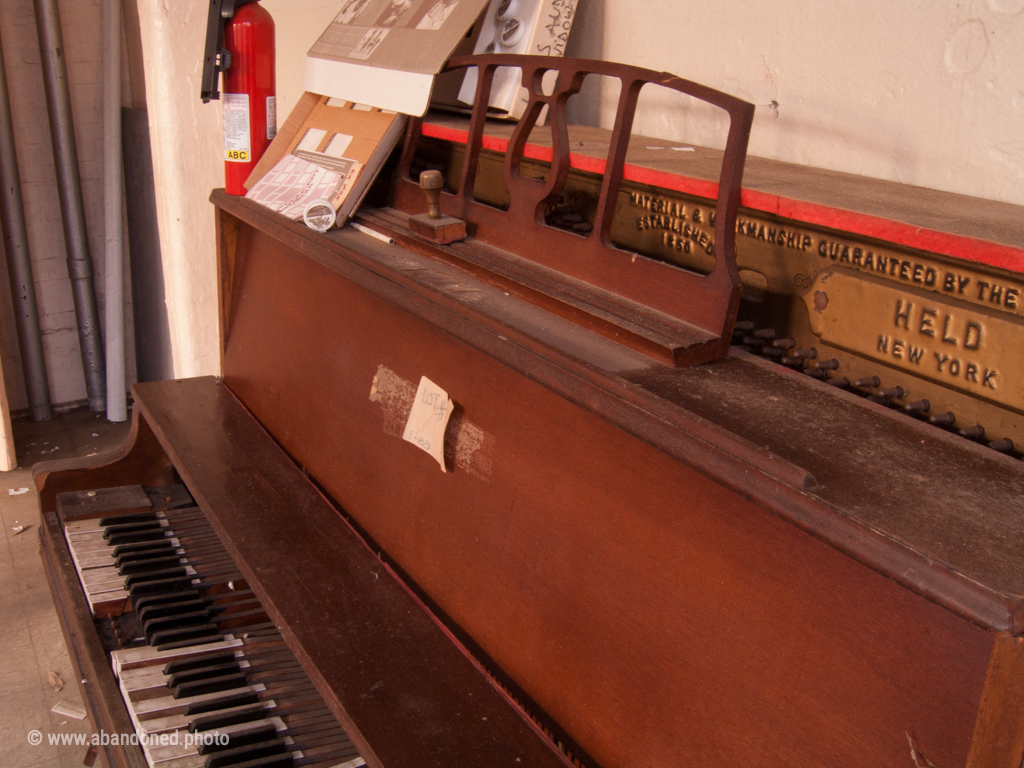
[
  {"x": 386, "y": 52},
  {"x": 537, "y": 27}
]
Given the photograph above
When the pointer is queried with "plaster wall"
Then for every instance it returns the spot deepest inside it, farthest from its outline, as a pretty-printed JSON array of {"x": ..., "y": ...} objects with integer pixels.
[
  {"x": 924, "y": 93},
  {"x": 80, "y": 22}
]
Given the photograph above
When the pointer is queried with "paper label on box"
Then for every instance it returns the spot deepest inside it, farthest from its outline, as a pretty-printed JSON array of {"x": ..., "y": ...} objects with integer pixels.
[
  {"x": 428, "y": 420},
  {"x": 236, "y": 128}
]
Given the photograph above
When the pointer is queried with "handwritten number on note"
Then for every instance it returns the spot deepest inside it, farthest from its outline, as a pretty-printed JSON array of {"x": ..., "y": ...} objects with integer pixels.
[{"x": 428, "y": 420}]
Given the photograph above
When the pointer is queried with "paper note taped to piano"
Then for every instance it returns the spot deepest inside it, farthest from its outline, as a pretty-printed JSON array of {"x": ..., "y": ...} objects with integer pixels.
[{"x": 428, "y": 420}]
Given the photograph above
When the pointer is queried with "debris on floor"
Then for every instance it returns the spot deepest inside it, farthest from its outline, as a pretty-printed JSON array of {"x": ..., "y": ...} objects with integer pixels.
[
  {"x": 68, "y": 710},
  {"x": 55, "y": 682}
]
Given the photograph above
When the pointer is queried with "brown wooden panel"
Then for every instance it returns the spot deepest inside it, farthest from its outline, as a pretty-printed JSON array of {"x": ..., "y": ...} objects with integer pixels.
[
  {"x": 659, "y": 618},
  {"x": 138, "y": 461},
  {"x": 999, "y": 732}
]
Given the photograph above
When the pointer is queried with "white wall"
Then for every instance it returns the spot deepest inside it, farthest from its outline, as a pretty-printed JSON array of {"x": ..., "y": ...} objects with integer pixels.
[{"x": 925, "y": 93}]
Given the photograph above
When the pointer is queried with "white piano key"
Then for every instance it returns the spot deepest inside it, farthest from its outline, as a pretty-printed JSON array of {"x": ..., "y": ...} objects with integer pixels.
[
  {"x": 93, "y": 524},
  {"x": 149, "y": 686},
  {"x": 180, "y": 748},
  {"x": 166, "y": 706},
  {"x": 130, "y": 658},
  {"x": 177, "y": 722},
  {"x": 189, "y": 761},
  {"x": 108, "y": 603},
  {"x": 98, "y": 575},
  {"x": 157, "y": 755}
]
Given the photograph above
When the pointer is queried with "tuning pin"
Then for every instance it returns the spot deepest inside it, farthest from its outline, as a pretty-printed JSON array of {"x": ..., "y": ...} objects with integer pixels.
[
  {"x": 842, "y": 382},
  {"x": 773, "y": 352},
  {"x": 792, "y": 361},
  {"x": 977, "y": 432},
  {"x": 808, "y": 354},
  {"x": 827, "y": 365},
  {"x": 784, "y": 343},
  {"x": 816, "y": 373},
  {"x": 765, "y": 333},
  {"x": 896, "y": 392},
  {"x": 868, "y": 382},
  {"x": 753, "y": 341},
  {"x": 1003, "y": 446},
  {"x": 946, "y": 419},
  {"x": 740, "y": 327},
  {"x": 880, "y": 399},
  {"x": 918, "y": 406}
]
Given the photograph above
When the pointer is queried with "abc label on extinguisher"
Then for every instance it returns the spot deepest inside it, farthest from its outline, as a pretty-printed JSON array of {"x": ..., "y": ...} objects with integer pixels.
[{"x": 236, "y": 128}]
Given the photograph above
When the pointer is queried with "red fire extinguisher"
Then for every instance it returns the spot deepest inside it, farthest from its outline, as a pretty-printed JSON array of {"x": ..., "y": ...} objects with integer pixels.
[{"x": 240, "y": 43}]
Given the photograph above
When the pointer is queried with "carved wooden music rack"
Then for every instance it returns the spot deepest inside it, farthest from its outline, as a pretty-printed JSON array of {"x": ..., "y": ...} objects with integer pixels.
[
  {"x": 679, "y": 316},
  {"x": 675, "y": 315}
]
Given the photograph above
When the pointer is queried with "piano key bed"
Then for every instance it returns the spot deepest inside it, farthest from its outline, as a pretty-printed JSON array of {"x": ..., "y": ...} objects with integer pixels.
[{"x": 207, "y": 679}]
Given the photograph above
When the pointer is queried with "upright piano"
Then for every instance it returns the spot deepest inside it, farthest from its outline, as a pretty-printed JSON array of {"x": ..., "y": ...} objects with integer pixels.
[{"x": 728, "y": 470}]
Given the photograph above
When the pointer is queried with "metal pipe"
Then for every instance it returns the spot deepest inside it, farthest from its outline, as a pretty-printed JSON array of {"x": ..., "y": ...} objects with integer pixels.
[
  {"x": 19, "y": 264},
  {"x": 113, "y": 228},
  {"x": 69, "y": 187}
]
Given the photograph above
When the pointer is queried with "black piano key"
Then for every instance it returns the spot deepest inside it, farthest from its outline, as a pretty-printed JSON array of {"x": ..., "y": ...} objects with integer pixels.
[
  {"x": 171, "y": 636},
  {"x": 250, "y": 742},
  {"x": 159, "y": 586},
  {"x": 225, "y": 702},
  {"x": 209, "y": 660},
  {"x": 112, "y": 531},
  {"x": 140, "y": 547},
  {"x": 170, "y": 609},
  {"x": 166, "y": 597},
  {"x": 162, "y": 549},
  {"x": 161, "y": 575},
  {"x": 146, "y": 565},
  {"x": 133, "y": 517},
  {"x": 135, "y": 538},
  {"x": 224, "y": 719},
  {"x": 210, "y": 685},
  {"x": 157, "y": 627},
  {"x": 283, "y": 760},
  {"x": 203, "y": 673},
  {"x": 189, "y": 643}
]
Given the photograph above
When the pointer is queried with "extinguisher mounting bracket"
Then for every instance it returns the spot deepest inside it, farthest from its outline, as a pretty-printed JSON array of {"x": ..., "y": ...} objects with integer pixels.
[{"x": 215, "y": 58}]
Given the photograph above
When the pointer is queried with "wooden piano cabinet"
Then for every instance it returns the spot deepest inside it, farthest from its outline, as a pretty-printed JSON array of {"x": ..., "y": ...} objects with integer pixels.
[{"x": 666, "y": 592}]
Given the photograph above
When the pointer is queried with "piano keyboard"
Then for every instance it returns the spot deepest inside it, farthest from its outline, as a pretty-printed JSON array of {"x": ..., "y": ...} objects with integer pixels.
[{"x": 207, "y": 679}]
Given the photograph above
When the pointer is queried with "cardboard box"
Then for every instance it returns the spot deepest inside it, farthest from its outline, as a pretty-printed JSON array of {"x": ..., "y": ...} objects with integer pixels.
[
  {"x": 327, "y": 149},
  {"x": 537, "y": 27},
  {"x": 386, "y": 52}
]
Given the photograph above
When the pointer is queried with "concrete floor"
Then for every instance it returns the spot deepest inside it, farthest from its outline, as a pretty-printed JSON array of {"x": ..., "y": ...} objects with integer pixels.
[{"x": 31, "y": 642}]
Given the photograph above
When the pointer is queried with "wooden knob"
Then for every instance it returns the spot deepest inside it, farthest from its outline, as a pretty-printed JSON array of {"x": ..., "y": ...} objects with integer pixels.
[{"x": 431, "y": 183}]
